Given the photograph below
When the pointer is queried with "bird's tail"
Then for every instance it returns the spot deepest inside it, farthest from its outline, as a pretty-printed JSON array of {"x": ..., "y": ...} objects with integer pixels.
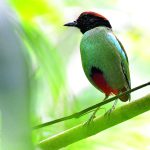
[{"x": 125, "y": 97}]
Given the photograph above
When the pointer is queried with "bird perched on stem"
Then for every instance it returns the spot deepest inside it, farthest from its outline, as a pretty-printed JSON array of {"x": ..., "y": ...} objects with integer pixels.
[{"x": 104, "y": 59}]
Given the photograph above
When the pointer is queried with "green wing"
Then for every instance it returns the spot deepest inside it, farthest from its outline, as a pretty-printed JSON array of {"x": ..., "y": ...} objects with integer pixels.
[
  {"x": 126, "y": 72},
  {"x": 124, "y": 64}
]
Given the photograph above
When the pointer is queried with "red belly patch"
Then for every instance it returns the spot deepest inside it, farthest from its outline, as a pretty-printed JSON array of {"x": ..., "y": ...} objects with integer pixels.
[{"x": 100, "y": 82}]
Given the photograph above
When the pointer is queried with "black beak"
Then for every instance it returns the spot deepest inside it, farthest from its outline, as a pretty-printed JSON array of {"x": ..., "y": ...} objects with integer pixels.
[{"x": 71, "y": 24}]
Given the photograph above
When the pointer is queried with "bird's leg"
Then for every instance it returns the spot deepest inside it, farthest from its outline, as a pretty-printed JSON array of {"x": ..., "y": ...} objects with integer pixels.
[
  {"x": 94, "y": 113},
  {"x": 112, "y": 108}
]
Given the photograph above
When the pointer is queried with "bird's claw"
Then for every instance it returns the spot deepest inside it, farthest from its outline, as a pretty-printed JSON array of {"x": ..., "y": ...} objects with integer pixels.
[
  {"x": 89, "y": 121},
  {"x": 108, "y": 112}
]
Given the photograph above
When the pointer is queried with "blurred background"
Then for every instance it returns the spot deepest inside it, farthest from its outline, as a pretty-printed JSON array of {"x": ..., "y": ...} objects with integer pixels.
[{"x": 58, "y": 86}]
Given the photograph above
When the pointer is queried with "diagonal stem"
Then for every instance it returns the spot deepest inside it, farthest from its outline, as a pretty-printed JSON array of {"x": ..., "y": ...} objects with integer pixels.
[
  {"x": 99, "y": 124},
  {"x": 85, "y": 111}
]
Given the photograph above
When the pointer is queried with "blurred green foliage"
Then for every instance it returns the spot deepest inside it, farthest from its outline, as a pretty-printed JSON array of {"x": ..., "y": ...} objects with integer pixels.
[
  {"x": 52, "y": 48},
  {"x": 15, "y": 130}
]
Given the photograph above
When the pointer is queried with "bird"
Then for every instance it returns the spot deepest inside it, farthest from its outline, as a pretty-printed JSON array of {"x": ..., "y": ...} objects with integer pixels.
[{"x": 104, "y": 59}]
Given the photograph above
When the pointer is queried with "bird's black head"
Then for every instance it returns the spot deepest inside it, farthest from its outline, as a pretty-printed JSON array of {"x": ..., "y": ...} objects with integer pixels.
[{"x": 89, "y": 20}]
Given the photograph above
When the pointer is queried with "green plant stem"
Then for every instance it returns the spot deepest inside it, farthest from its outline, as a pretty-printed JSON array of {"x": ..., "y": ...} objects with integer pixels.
[
  {"x": 99, "y": 124},
  {"x": 89, "y": 109}
]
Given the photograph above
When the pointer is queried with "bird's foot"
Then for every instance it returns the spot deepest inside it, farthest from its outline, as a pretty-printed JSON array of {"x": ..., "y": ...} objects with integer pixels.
[
  {"x": 90, "y": 120},
  {"x": 111, "y": 110},
  {"x": 108, "y": 112}
]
